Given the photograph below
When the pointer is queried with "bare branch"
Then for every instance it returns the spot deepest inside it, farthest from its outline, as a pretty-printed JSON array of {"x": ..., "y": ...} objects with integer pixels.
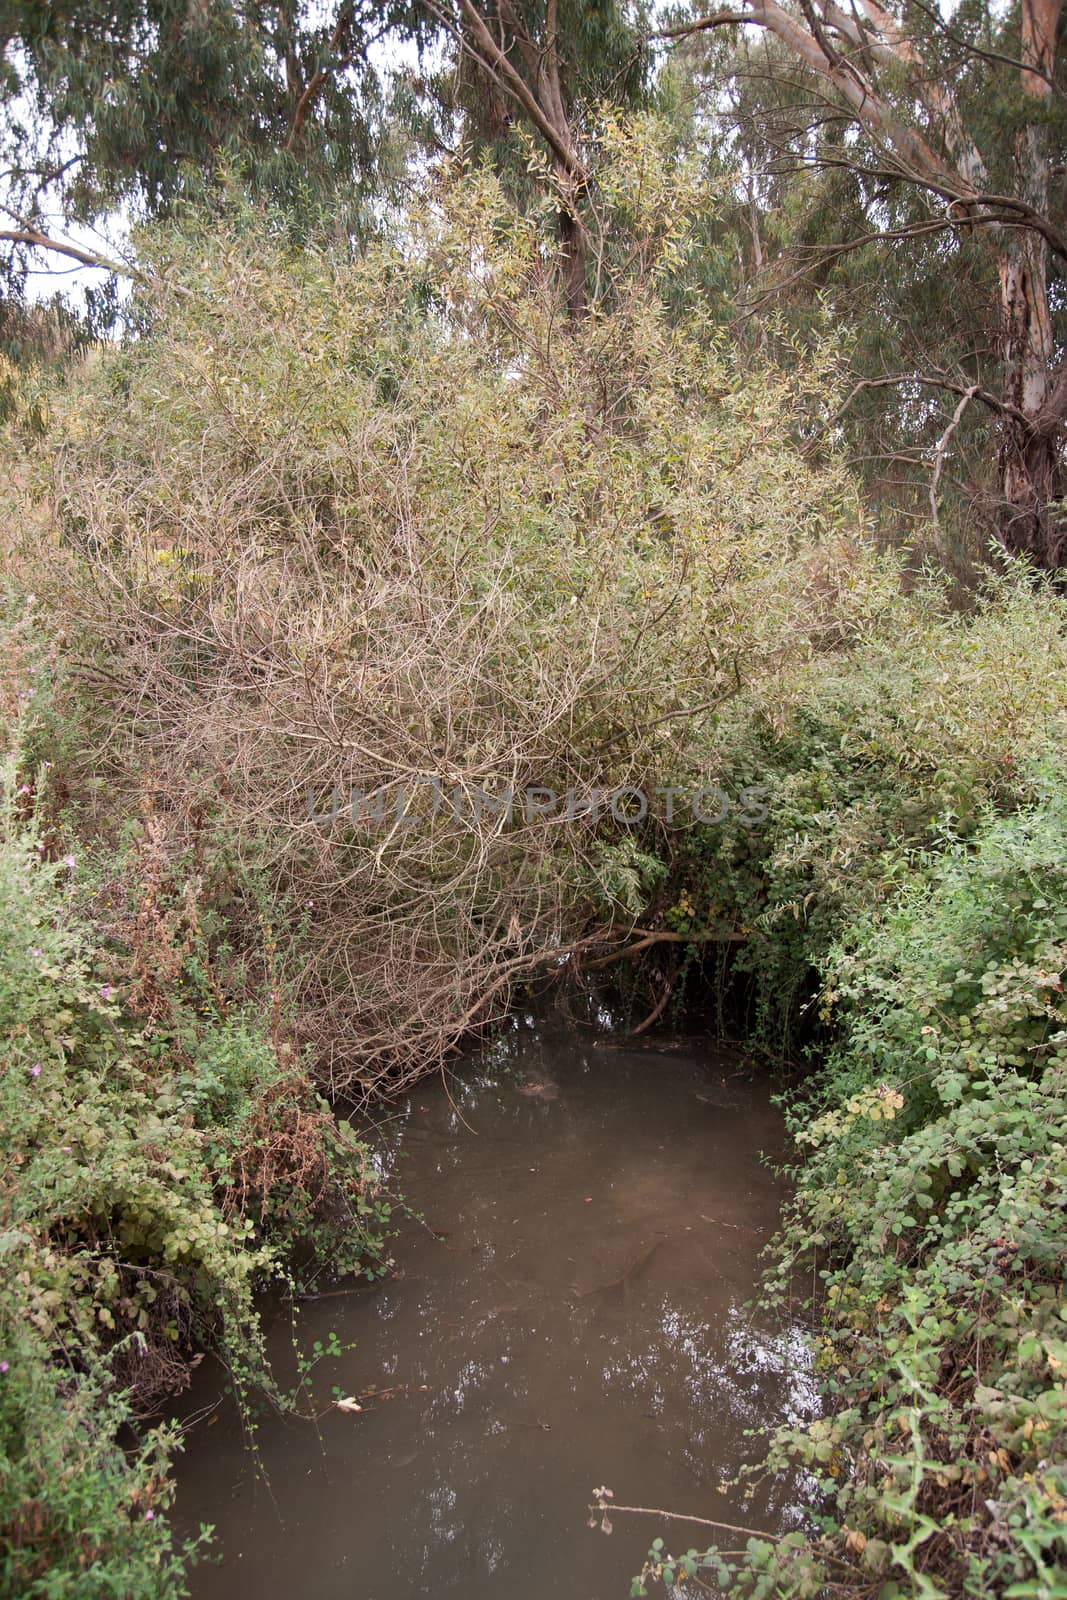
[
  {"x": 718, "y": 19},
  {"x": 942, "y": 448},
  {"x": 36, "y": 239},
  {"x": 605, "y": 1502},
  {"x": 926, "y": 381}
]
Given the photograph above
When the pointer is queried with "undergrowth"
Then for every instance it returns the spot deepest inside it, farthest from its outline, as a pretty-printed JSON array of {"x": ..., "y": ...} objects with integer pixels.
[
  {"x": 931, "y": 1209},
  {"x": 397, "y": 530},
  {"x": 165, "y": 1154}
]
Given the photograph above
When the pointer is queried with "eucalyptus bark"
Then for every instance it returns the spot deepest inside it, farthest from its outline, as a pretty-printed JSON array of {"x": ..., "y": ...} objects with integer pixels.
[
  {"x": 922, "y": 135},
  {"x": 1031, "y": 454}
]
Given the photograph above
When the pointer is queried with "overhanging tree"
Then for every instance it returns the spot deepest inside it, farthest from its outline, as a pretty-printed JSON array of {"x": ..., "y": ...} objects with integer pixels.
[
  {"x": 546, "y": 66},
  {"x": 134, "y": 104}
]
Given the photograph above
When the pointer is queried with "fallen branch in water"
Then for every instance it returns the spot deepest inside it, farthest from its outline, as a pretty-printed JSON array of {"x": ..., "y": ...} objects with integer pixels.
[
  {"x": 657, "y": 1010},
  {"x": 664, "y": 936},
  {"x": 552, "y": 956},
  {"x": 604, "y": 1502},
  {"x": 334, "y": 1294}
]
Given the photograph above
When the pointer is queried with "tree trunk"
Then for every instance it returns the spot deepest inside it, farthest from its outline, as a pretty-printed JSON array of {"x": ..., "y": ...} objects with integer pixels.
[
  {"x": 1032, "y": 479},
  {"x": 575, "y": 260},
  {"x": 1031, "y": 464},
  {"x": 539, "y": 95},
  {"x": 1032, "y": 483}
]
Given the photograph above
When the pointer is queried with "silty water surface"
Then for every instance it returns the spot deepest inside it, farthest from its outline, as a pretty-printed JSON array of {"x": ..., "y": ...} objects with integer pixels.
[{"x": 570, "y": 1314}]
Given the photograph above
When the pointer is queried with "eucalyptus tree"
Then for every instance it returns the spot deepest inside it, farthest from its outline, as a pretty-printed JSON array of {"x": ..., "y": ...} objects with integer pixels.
[
  {"x": 120, "y": 106},
  {"x": 545, "y": 68},
  {"x": 124, "y": 107},
  {"x": 946, "y": 141}
]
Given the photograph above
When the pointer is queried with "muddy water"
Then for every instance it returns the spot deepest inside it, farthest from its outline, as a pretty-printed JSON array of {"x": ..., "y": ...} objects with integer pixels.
[{"x": 578, "y": 1322}]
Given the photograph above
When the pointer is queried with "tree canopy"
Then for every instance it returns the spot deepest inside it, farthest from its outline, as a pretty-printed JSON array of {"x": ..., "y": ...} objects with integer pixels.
[{"x": 884, "y": 171}]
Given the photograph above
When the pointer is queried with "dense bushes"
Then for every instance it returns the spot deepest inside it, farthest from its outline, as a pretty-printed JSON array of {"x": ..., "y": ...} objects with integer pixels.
[
  {"x": 932, "y": 1207},
  {"x": 334, "y": 528},
  {"x": 862, "y": 759},
  {"x": 162, "y": 1153},
  {"x": 937, "y": 1193},
  {"x": 362, "y": 527}
]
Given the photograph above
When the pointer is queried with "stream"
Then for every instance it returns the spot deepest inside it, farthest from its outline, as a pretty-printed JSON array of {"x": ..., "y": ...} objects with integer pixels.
[{"x": 570, "y": 1313}]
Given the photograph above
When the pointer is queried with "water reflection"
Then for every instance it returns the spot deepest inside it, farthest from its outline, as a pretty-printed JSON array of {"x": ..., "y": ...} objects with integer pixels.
[{"x": 579, "y": 1321}]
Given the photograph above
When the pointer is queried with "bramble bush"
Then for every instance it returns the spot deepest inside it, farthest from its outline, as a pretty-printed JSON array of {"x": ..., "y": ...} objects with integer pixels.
[
  {"x": 158, "y": 1162},
  {"x": 932, "y": 1205}
]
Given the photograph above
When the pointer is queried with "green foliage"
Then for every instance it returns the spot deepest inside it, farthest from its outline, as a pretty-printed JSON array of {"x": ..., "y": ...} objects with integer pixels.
[
  {"x": 157, "y": 1165},
  {"x": 932, "y": 1205},
  {"x": 80, "y": 1516},
  {"x": 142, "y": 103},
  {"x": 604, "y": 55},
  {"x": 859, "y": 760},
  {"x": 824, "y": 233},
  {"x": 347, "y": 526}
]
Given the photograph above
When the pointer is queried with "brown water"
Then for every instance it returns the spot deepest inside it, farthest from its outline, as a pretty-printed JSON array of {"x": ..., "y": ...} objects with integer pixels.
[{"x": 579, "y": 1322}]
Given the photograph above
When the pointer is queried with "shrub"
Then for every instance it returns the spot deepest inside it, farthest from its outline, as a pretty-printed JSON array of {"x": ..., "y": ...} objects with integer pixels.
[
  {"x": 335, "y": 527},
  {"x": 80, "y": 1516},
  {"x": 860, "y": 762},
  {"x": 352, "y": 526}
]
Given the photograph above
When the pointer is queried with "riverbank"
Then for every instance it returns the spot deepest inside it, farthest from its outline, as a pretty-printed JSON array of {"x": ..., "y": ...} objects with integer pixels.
[
  {"x": 929, "y": 1176},
  {"x": 165, "y": 1157},
  {"x": 929, "y": 1173},
  {"x": 927, "y": 1238}
]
